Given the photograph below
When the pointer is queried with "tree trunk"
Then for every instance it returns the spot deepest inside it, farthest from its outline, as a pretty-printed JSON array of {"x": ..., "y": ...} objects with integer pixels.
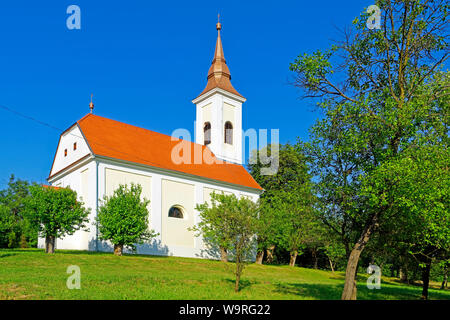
[
  {"x": 403, "y": 274},
  {"x": 259, "y": 257},
  {"x": 331, "y": 265},
  {"x": 223, "y": 255},
  {"x": 355, "y": 287},
  {"x": 23, "y": 241},
  {"x": 118, "y": 249},
  {"x": 426, "y": 279},
  {"x": 314, "y": 254},
  {"x": 293, "y": 258},
  {"x": 269, "y": 252},
  {"x": 445, "y": 280},
  {"x": 236, "y": 284},
  {"x": 349, "y": 292},
  {"x": 50, "y": 244}
]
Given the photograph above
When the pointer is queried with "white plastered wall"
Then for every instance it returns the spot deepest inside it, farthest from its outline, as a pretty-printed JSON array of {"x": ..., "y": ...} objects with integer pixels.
[
  {"x": 217, "y": 109},
  {"x": 66, "y": 142},
  {"x": 167, "y": 189},
  {"x": 175, "y": 230},
  {"x": 230, "y": 114},
  {"x": 81, "y": 179},
  {"x": 178, "y": 189}
]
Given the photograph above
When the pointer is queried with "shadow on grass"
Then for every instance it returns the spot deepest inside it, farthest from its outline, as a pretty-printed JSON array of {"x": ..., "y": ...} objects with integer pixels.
[
  {"x": 10, "y": 252},
  {"x": 242, "y": 283},
  {"x": 41, "y": 251},
  {"x": 21, "y": 250},
  {"x": 102, "y": 253},
  {"x": 318, "y": 291},
  {"x": 432, "y": 285},
  {"x": 83, "y": 252},
  {"x": 404, "y": 292},
  {"x": 334, "y": 291}
]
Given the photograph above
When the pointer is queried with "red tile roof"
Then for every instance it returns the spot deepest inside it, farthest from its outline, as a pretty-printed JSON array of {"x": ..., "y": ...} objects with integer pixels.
[{"x": 122, "y": 141}]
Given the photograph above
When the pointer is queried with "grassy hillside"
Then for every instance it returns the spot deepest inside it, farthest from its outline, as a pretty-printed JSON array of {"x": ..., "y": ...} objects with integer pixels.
[{"x": 31, "y": 274}]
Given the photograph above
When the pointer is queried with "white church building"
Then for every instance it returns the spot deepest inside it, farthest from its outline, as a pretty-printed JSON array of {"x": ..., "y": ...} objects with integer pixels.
[{"x": 96, "y": 154}]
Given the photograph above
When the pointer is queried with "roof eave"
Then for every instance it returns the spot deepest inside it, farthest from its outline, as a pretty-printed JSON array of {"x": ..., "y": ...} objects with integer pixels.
[
  {"x": 183, "y": 174},
  {"x": 69, "y": 168},
  {"x": 218, "y": 90}
]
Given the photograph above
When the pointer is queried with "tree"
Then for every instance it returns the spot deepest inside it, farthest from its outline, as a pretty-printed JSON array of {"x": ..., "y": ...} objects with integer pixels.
[
  {"x": 214, "y": 226},
  {"x": 21, "y": 232},
  {"x": 296, "y": 219},
  {"x": 55, "y": 212},
  {"x": 383, "y": 101},
  {"x": 286, "y": 199},
  {"x": 419, "y": 203},
  {"x": 7, "y": 227},
  {"x": 230, "y": 222},
  {"x": 123, "y": 218},
  {"x": 267, "y": 232},
  {"x": 445, "y": 266},
  {"x": 335, "y": 164}
]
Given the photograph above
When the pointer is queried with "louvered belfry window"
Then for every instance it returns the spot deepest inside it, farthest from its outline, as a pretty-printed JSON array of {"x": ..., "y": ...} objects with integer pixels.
[
  {"x": 228, "y": 132},
  {"x": 207, "y": 133}
]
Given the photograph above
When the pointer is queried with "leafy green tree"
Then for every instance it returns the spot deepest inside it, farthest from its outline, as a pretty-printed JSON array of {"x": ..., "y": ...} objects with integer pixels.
[
  {"x": 286, "y": 199},
  {"x": 214, "y": 226},
  {"x": 21, "y": 232},
  {"x": 230, "y": 222},
  {"x": 268, "y": 232},
  {"x": 123, "y": 218},
  {"x": 7, "y": 227},
  {"x": 419, "y": 203},
  {"x": 56, "y": 212},
  {"x": 445, "y": 265},
  {"x": 297, "y": 221},
  {"x": 335, "y": 164},
  {"x": 385, "y": 99}
]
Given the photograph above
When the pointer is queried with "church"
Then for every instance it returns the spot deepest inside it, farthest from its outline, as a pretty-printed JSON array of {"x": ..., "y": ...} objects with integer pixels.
[{"x": 96, "y": 154}]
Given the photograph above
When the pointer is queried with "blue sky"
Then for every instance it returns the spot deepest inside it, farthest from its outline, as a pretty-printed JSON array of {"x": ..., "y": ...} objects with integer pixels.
[{"x": 145, "y": 61}]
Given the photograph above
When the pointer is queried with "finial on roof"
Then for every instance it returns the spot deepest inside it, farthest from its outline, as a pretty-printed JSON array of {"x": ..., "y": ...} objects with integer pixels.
[
  {"x": 218, "y": 25},
  {"x": 91, "y": 104},
  {"x": 219, "y": 75}
]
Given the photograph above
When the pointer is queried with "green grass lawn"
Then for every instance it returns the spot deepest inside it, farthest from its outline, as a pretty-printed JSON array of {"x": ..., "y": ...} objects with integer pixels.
[{"x": 31, "y": 274}]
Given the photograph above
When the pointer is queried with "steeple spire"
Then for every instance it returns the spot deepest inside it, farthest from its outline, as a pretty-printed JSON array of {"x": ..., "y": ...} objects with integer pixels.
[
  {"x": 219, "y": 75},
  {"x": 91, "y": 104}
]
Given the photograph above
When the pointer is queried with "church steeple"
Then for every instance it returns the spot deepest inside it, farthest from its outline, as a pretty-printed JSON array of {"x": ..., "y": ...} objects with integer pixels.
[
  {"x": 219, "y": 110},
  {"x": 219, "y": 75}
]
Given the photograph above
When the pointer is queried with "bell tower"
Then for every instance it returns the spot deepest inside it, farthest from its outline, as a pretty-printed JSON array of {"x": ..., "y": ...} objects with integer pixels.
[{"x": 219, "y": 110}]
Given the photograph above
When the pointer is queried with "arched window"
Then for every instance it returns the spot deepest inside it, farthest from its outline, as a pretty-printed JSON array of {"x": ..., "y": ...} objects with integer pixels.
[
  {"x": 176, "y": 212},
  {"x": 207, "y": 133},
  {"x": 228, "y": 132}
]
